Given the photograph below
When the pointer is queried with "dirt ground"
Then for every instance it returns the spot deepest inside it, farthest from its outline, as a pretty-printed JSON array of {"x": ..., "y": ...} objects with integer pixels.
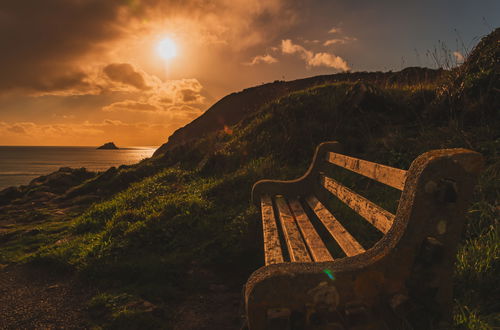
[{"x": 32, "y": 298}]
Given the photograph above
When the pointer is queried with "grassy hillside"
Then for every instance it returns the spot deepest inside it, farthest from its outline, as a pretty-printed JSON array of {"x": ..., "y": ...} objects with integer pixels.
[
  {"x": 188, "y": 209},
  {"x": 234, "y": 107}
]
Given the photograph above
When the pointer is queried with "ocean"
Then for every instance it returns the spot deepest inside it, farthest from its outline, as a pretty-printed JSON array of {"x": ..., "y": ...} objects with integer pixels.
[{"x": 20, "y": 165}]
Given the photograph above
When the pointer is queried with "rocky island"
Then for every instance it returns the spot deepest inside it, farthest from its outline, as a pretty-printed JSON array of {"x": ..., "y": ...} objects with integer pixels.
[{"x": 109, "y": 146}]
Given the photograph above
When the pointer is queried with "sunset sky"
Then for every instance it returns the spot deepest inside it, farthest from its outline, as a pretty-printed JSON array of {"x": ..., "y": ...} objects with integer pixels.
[{"x": 85, "y": 72}]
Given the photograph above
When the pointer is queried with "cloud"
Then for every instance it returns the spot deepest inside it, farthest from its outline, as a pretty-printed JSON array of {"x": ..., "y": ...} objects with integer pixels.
[
  {"x": 189, "y": 95},
  {"x": 167, "y": 96},
  {"x": 56, "y": 46},
  {"x": 335, "y": 30},
  {"x": 238, "y": 23},
  {"x": 267, "y": 59},
  {"x": 328, "y": 60},
  {"x": 333, "y": 42},
  {"x": 42, "y": 41},
  {"x": 459, "y": 58},
  {"x": 129, "y": 105},
  {"x": 89, "y": 50},
  {"x": 341, "y": 38},
  {"x": 126, "y": 74},
  {"x": 340, "y": 41},
  {"x": 315, "y": 41},
  {"x": 288, "y": 47},
  {"x": 18, "y": 129},
  {"x": 175, "y": 93},
  {"x": 91, "y": 133},
  {"x": 314, "y": 59},
  {"x": 165, "y": 100},
  {"x": 33, "y": 131},
  {"x": 112, "y": 122}
]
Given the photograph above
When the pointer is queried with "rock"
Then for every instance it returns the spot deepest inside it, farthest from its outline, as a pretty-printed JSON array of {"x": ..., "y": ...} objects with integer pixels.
[
  {"x": 46, "y": 188},
  {"x": 60, "y": 181},
  {"x": 39, "y": 196},
  {"x": 108, "y": 146},
  {"x": 9, "y": 194}
]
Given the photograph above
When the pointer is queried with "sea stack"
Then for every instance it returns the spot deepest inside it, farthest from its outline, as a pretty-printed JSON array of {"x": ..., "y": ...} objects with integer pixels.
[{"x": 108, "y": 146}]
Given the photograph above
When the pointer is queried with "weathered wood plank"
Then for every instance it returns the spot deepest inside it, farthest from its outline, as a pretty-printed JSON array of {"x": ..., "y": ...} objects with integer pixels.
[
  {"x": 347, "y": 243},
  {"x": 272, "y": 247},
  {"x": 374, "y": 214},
  {"x": 316, "y": 246},
  {"x": 390, "y": 176},
  {"x": 296, "y": 246}
]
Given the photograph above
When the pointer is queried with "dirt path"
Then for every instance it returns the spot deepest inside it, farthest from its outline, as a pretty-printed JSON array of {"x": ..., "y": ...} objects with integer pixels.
[
  {"x": 216, "y": 304},
  {"x": 218, "y": 309},
  {"x": 32, "y": 298}
]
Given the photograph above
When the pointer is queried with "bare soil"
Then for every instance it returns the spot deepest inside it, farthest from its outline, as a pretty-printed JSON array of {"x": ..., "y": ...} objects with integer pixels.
[
  {"x": 34, "y": 298},
  {"x": 37, "y": 298}
]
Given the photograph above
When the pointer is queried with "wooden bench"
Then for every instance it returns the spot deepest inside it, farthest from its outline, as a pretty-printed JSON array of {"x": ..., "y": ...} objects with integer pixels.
[{"x": 403, "y": 281}]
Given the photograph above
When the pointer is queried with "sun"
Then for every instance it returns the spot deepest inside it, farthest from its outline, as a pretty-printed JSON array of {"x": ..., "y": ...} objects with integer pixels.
[{"x": 166, "y": 49}]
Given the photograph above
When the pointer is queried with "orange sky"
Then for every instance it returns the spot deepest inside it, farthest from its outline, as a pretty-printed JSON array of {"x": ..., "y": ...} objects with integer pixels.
[{"x": 84, "y": 72}]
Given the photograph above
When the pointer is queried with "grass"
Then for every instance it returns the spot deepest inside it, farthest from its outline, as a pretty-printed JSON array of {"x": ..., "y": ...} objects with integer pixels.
[{"x": 18, "y": 241}]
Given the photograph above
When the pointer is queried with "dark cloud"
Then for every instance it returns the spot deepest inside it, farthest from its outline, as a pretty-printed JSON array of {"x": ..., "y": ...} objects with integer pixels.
[
  {"x": 166, "y": 100},
  {"x": 53, "y": 46},
  {"x": 126, "y": 74},
  {"x": 189, "y": 95},
  {"x": 130, "y": 105},
  {"x": 16, "y": 129},
  {"x": 41, "y": 41}
]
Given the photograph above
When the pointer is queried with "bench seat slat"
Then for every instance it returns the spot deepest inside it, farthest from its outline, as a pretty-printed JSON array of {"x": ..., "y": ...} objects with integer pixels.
[
  {"x": 347, "y": 243},
  {"x": 296, "y": 246},
  {"x": 390, "y": 176},
  {"x": 272, "y": 246},
  {"x": 316, "y": 246},
  {"x": 371, "y": 212}
]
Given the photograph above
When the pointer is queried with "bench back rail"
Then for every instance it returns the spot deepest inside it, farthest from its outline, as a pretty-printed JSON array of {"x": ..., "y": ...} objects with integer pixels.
[{"x": 302, "y": 240}]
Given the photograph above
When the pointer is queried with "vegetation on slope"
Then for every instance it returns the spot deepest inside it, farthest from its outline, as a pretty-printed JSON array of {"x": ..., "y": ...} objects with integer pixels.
[
  {"x": 234, "y": 107},
  {"x": 188, "y": 209}
]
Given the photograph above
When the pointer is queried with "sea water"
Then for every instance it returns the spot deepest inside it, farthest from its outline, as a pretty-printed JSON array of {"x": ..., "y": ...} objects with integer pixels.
[{"x": 20, "y": 165}]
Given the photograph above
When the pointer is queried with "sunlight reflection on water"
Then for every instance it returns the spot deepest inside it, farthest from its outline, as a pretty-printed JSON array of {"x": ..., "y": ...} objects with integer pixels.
[{"x": 19, "y": 165}]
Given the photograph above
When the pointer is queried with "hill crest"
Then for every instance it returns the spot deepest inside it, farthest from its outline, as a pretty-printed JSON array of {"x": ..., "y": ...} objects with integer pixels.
[{"x": 233, "y": 107}]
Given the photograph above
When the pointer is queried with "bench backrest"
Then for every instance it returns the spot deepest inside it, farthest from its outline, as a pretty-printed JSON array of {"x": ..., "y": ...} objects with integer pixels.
[{"x": 307, "y": 188}]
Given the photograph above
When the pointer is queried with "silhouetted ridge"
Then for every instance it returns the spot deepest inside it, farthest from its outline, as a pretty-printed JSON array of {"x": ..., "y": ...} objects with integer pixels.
[{"x": 232, "y": 108}]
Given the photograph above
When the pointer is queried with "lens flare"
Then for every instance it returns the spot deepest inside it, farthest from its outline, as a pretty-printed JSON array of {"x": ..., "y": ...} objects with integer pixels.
[{"x": 329, "y": 274}]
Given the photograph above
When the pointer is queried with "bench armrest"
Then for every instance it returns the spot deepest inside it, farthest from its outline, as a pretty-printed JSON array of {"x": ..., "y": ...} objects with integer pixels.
[{"x": 297, "y": 186}]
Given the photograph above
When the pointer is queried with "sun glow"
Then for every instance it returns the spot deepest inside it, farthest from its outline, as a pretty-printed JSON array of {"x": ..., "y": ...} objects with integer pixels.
[{"x": 166, "y": 49}]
